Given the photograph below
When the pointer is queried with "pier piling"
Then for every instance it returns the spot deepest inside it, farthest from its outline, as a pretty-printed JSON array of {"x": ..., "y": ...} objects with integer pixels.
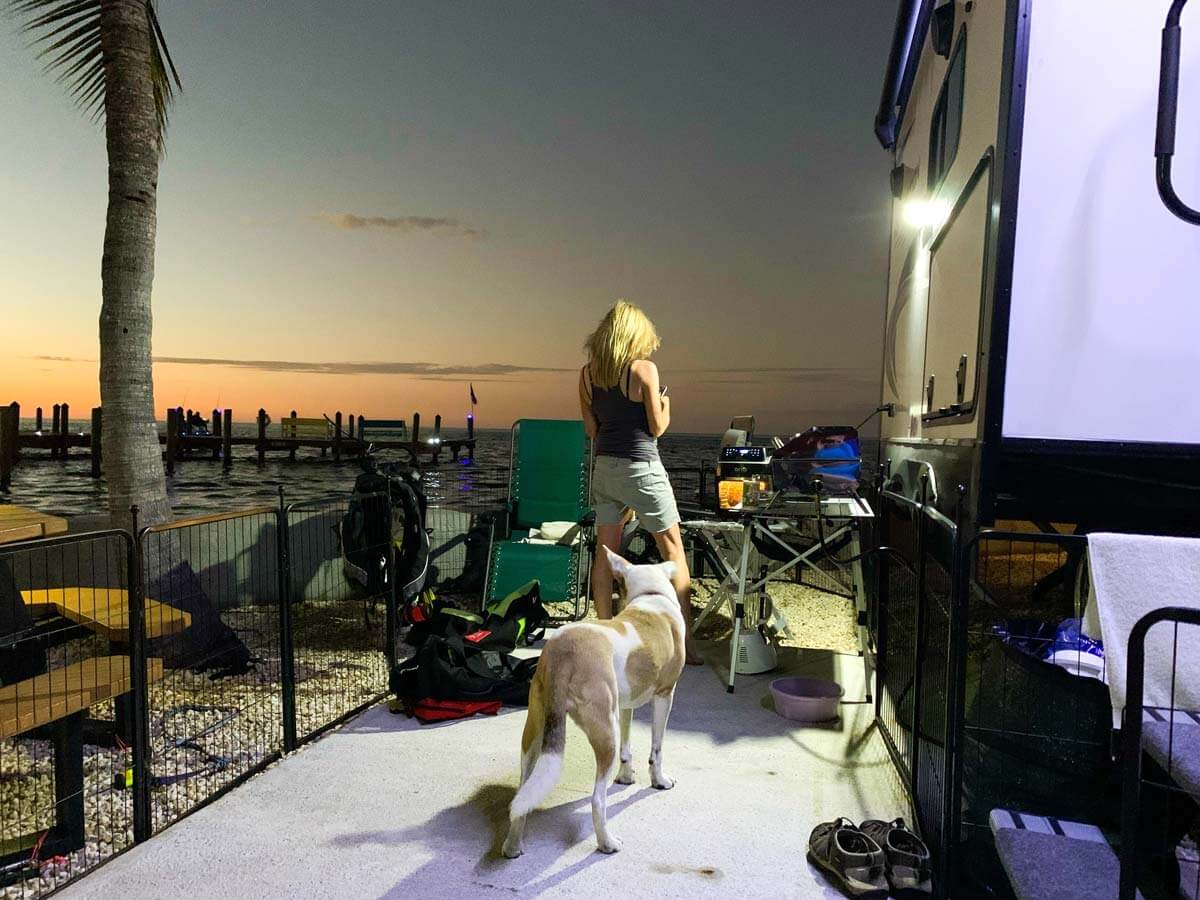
[
  {"x": 38, "y": 421},
  {"x": 261, "y": 443},
  {"x": 337, "y": 436},
  {"x": 9, "y": 426},
  {"x": 54, "y": 431},
  {"x": 65, "y": 423},
  {"x": 215, "y": 430},
  {"x": 416, "y": 431},
  {"x": 172, "y": 439},
  {"x": 227, "y": 441},
  {"x": 96, "y": 441}
]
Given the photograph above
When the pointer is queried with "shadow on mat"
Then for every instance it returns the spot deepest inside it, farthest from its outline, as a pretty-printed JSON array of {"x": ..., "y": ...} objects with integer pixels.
[{"x": 476, "y": 829}]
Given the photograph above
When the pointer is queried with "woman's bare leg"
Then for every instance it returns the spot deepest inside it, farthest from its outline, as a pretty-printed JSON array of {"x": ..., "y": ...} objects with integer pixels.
[
  {"x": 602, "y": 578},
  {"x": 670, "y": 547}
]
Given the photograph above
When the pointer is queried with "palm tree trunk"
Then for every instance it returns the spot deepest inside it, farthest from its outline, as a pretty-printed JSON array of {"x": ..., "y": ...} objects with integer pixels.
[{"x": 132, "y": 458}]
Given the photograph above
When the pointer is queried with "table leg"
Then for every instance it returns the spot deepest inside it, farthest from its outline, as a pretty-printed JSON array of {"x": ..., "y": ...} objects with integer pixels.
[
  {"x": 739, "y": 608},
  {"x": 68, "y": 781},
  {"x": 720, "y": 593}
]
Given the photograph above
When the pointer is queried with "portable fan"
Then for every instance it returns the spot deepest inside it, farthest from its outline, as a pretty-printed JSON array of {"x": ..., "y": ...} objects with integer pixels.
[
  {"x": 755, "y": 651},
  {"x": 755, "y": 654}
]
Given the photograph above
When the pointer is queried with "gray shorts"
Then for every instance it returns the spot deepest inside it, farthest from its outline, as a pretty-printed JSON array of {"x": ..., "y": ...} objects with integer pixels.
[{"x": 644, "y": 487}]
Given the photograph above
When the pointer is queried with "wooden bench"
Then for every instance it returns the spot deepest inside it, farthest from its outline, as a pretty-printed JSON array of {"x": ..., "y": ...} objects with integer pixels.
[
  {"x": 382, "y": 428},
  {"x": 294, "y": 428},
  {"x": 59, "y": 699},
  {"x": 62, "y": 692},
  {"x": 105, "y": 611}
]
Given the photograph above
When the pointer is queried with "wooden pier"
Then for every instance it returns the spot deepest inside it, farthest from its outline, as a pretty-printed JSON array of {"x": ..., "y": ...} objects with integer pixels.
[{"x": 336, "y": 437}]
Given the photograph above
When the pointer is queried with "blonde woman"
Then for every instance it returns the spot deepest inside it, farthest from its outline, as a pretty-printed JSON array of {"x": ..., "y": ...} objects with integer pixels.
[{"x": 625, "y": 410}]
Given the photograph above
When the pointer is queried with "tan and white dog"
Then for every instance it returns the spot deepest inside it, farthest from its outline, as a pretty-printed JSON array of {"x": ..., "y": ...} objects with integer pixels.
[{"x": 598, "y": 673}]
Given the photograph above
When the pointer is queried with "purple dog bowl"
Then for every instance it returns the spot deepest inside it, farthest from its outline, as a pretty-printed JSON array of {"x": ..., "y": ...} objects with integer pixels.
[{"x": 806, "y": 699}]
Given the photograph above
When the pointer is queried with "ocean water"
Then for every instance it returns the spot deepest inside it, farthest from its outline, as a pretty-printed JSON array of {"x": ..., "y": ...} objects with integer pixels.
[{"x": 200, "y": 485}]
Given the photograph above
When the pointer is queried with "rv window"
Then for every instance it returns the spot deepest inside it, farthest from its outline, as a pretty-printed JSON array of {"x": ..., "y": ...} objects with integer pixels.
[{"x": 947, "y": 116}]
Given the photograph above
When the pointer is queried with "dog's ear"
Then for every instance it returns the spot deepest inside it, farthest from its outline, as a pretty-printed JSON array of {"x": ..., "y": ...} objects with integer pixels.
[
  {"x": 618, "y": 564},
  {"x": 669, "y": 569}
]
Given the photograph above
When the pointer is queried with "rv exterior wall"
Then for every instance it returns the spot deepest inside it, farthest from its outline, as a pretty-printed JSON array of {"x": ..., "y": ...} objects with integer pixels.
[
  {"x": 940, "y": 279},
  {"x": 1105, "y": 314}
]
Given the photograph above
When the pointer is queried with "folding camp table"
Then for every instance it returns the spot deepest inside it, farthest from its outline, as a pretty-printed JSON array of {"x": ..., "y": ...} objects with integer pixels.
[{"x": 730, "y": 536}]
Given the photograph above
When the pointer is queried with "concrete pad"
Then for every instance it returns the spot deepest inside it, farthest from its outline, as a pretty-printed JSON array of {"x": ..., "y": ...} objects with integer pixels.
[{"x": 385, "y": 807}]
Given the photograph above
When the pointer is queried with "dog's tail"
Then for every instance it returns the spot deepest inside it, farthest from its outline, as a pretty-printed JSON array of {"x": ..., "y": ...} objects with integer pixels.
[{"x": 548, "y": 768}]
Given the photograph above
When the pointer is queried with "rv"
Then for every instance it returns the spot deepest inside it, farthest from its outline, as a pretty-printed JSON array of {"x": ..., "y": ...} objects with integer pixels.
[{"x": 1043, "y": 303}]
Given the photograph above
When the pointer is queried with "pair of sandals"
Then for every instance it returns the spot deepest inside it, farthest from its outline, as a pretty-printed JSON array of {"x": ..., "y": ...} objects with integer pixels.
[{"x": 873, "y": 859}]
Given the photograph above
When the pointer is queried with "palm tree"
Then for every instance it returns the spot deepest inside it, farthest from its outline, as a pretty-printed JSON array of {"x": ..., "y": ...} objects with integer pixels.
[{"x": 112, "y": 57}]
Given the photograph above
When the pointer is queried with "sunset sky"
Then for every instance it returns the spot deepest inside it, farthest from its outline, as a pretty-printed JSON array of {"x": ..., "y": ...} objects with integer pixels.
[{"x": 364, "y": 206}]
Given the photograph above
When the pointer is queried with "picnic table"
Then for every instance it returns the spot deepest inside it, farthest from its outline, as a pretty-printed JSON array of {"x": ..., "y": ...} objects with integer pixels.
[
  {"x": 19, "y": 523},
  {"x": 105, "y": 611},
  {"x": 57, "y": 701}
]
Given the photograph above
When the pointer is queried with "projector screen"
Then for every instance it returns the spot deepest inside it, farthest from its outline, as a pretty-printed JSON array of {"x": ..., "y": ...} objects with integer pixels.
[{"x": 1104, "y": 340}]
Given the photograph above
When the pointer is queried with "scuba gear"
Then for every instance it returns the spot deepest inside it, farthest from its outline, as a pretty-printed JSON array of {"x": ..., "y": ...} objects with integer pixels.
[
  {"x": 464, "y": 656},
  {"x": 384, "y": 522}
]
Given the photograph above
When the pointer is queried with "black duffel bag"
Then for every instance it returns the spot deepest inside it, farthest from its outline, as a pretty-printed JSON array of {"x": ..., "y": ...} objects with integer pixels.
[
  {"x": 448, "y": 667},
  {"x": 462, "y": 656}
]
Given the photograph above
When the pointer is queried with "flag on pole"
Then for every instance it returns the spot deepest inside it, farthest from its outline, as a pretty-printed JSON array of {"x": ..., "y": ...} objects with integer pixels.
[{"x": 473, "y": 400}]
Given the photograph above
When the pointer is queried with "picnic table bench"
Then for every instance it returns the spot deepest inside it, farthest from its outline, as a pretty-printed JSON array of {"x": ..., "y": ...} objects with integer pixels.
[
  {"x": 59, "y": 700},
  {"x": 381, "y": 428}
]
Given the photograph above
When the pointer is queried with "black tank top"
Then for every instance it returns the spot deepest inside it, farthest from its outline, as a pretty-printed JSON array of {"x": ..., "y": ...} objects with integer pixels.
[{"x": 624, "y": 430}]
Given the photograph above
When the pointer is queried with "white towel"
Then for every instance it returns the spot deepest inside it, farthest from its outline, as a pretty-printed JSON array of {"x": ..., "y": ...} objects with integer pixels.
[
  {"x": 566, "y": 533},
  {"x": 1133, "y": 574}
]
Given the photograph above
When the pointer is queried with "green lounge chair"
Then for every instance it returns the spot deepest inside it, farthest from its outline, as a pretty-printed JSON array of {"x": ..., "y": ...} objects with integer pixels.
[{"x": 547, "y": 482}]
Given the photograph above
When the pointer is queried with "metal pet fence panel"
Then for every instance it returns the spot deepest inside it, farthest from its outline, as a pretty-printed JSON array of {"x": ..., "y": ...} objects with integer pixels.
[
  {"x": 460, "y": 543},
  {"x": 896, "y": 590},
  {"x": 1032, "y": 737},
  {"x": 339, "y": 628},
  {"x": 142, "y": 679},
  {"x": 65, "y": 711},
  {"x": 915, "y": 590},
  {"x": 1160, "y": 743},
  {"x": 213, "y": 616}
]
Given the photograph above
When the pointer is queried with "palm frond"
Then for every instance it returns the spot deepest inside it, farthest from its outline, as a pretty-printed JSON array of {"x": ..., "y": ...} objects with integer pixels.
[{"x": 67, "y": 35}]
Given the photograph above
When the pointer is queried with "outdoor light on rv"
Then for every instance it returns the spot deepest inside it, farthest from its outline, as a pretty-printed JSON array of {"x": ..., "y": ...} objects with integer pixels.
[{"x": 925, "y": 213}]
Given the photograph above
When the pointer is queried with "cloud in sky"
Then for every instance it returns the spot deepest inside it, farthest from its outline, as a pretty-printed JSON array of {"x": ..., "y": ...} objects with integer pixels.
[
  {"x": 444, "y": 225},
  {"x": 421, "y": 369},
  {"x": 813, "y": 376},
  {"x": 816, "y": 377}
]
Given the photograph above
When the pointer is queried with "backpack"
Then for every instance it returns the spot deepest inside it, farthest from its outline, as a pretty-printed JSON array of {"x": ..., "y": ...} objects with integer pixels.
[
  {"x": 464, "y": 656},
  {"x": 368, "y": 533},
  {"x": 517, "y": 618}
]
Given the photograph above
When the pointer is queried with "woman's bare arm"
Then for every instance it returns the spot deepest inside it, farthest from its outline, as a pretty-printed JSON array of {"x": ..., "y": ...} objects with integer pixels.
[
  {"x": 590, "y": 425},
  {"x": 658, "y": 409}
]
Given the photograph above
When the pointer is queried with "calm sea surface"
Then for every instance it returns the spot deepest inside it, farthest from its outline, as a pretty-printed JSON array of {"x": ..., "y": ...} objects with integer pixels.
[{"x": 201, "y": 486}]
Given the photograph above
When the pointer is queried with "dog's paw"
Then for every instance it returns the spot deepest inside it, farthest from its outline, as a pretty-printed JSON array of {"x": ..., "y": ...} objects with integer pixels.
[
  {"x": 612, "y": 845},
  {"x": 624, "y": 774},
  {"x": 512, "y": 846},
  {"x": 662, "y": 782}
]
